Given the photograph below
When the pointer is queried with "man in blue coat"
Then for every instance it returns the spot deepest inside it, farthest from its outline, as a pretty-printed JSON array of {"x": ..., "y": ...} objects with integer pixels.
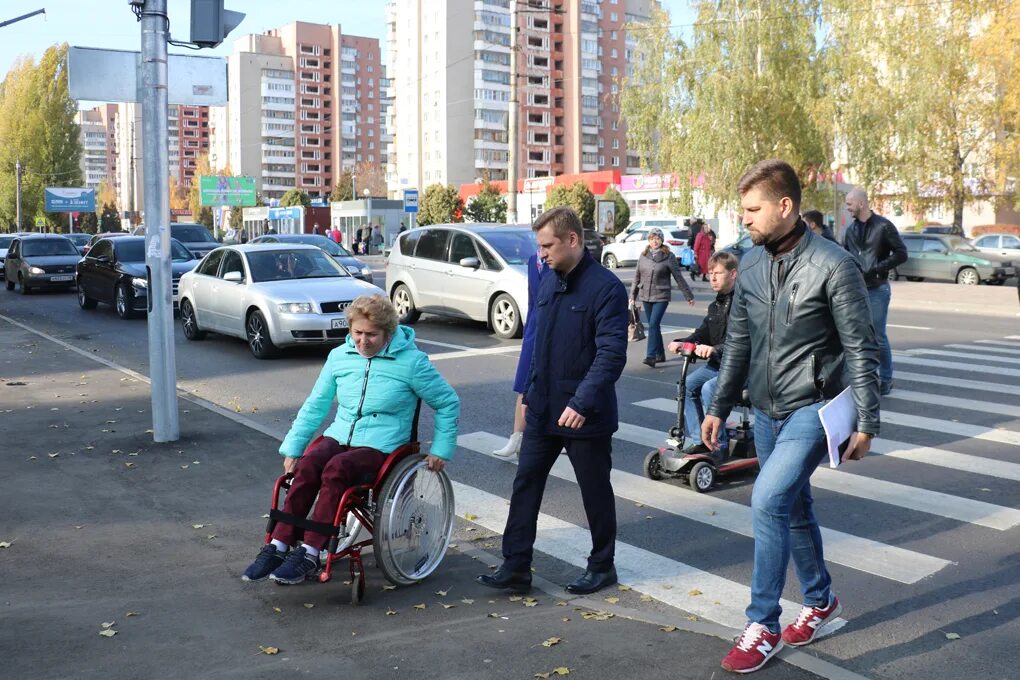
[{"x": 580, "y": 351}]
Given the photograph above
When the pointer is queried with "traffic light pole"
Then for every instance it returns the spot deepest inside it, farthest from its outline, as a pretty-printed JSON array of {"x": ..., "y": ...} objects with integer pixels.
[
  {"x": 155, "y": 135},
  {"x": 513, "y": 126}
]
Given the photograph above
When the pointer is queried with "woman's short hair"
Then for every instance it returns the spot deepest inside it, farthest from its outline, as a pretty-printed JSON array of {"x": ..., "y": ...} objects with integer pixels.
[{"x": 376, "y": 310}]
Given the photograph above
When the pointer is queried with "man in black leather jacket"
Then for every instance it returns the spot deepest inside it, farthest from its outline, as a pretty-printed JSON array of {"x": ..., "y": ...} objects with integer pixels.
[
  {"x": 799, "y": 323},
  {"x": 876, "y": 245}
]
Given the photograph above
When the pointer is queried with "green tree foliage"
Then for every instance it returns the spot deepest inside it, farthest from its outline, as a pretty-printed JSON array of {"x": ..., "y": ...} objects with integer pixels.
[
  {"x": 37, "y": 127},
  {"x": 621, "y": 217},
  {"x": 109, "y": 218},
  {"x": 440, "y": 204},
  {"x": 88, "y": 222},
  {"x": 343, "y": 189},
  {"x": 294, "y": 197},
  {"x": 488, "y": 206},
  {"x": 577, "y": 197},
  {"x": 747, "y": 87}
]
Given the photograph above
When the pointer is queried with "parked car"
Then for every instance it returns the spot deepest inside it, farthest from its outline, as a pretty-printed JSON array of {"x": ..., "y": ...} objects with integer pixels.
[
  {"x": 80, "y": 239},
  {"x": 195, "y": 237},
  {"x": 593, "y": 242},
  {"x": 271, "y": 295},
  {"x": 5, "y": 242},
  {"x": 114, "y": 273},
  {"x": 358, "y": 268},
  {"x": 950, "y": 229},
  {"x": 628, "y": 246},
  {"x": 106, "y": 234},
  {"x": 1000, "y": 244},
  {"x": 40, "y": 261},
  {"x": 951, "y": 258},
  {"x": 740, "y": 246},
  {"x": 472, "y": 271}
]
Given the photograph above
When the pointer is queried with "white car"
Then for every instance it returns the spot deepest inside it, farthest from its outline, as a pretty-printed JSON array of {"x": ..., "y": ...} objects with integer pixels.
[
  {"x": 270, "y": 295},
  {"x": 473, "y": 271},
  {"x": 1000, "y": 244},
  {"x": 628, "y": 246}
]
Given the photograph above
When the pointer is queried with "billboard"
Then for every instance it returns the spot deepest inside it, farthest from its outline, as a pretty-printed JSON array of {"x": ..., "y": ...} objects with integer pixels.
[
  {"x": 70, "y": 199},
  {"x": 218, "y": 190},
  {"x": 606, "y": 217}
]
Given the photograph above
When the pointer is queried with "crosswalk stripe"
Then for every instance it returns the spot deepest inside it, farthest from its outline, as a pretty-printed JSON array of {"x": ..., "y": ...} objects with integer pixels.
[
  {"x": 963, "y": 355},
  {"x": 873, "y": 557},
  {"x": 953, "y": 460},
  {"x": 1000, "y": 371},
  {"x": 720, "y": 600},
  {"x": 956, "y": 402},
  {"x": 1013, "y": 337},
  {"x": 984, "y": 348},
  {"x": 991, "y": 434},
  {"x": 982, "y": 385},
  {"x": 1005, "y": 343},
  {"x": 912, "y": 498}
]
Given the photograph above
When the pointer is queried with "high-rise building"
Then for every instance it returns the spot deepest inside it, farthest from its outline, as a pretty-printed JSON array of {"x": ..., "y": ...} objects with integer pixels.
[
  {"x": 304, "y": 103},
  {"x": 449, "y": 61},
  {"x": 97, "y": 134}
]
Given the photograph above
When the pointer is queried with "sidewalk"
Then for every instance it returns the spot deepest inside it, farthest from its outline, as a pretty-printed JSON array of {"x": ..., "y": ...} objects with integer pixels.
[
  {"x": 105, "y": 527},
  {"x": 951, "y": 298}
]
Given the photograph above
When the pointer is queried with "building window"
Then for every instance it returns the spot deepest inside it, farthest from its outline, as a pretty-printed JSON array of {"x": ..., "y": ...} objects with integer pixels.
[{"x": 616, "y": 161}]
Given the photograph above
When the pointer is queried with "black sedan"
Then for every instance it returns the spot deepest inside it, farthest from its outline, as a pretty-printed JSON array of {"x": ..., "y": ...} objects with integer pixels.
[
  {"x": 357, "y": 268},
  {"x": 40, "y": 261},
  {"x": 113, "y": 272}
]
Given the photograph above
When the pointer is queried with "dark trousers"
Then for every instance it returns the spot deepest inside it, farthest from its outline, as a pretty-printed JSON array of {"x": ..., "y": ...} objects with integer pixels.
[
  {"x": 327, "y": 469},
  {"x": 592, "y": 462}
]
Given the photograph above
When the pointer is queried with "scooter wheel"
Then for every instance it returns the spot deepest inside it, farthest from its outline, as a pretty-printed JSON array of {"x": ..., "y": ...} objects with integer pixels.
[
  {"x": 702, "y": 477},
  {"x": 653, "y": 465}
]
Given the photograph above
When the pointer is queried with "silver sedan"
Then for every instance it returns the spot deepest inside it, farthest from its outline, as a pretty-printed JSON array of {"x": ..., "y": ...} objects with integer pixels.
[{"x": 270, "y": 295}]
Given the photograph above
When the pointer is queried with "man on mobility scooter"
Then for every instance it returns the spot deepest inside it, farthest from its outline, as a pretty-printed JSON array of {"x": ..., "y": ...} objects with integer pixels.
[{"x": 377, "y": 377}]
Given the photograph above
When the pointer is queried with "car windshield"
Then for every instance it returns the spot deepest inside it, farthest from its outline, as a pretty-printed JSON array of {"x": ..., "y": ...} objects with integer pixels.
[
  {"x": 47, "y": 246},
  {"x": 134, "y": 251},
  {"x": 283, "y": 265},
  {"x": 5, "y": 242},
  {"x": 961, "y": 244},
  {"x": 191, "y": 233},
  {"x": 514, "y": 245},
  {"x": 80, "y": 239},
  {"x": 327, "y": 244}
]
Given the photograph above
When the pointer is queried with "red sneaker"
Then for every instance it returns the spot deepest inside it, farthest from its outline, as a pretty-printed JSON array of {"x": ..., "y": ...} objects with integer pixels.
[
  {"x": 756, "y": 646},
  {"x": 810, "y": 621}
]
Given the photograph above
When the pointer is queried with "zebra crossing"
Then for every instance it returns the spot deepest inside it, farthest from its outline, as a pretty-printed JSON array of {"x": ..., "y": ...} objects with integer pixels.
[{"x": 986, "y": 436}]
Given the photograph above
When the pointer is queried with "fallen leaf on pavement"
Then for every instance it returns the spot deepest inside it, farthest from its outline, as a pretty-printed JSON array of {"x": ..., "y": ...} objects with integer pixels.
[
  {"x": 109, "y": 632},
  {"x": 552, "y": 641},
  {"x": 110, "y": 624},
  {"x": 470, "y": 516},
  {"x": 79, "y": 526},
  {"x": 131, "y": 614},
  {"x": 467, "y": 601},
  {"x": 952, "y": 636},
  {"x": 277, "y": 610},
  {"x": 597, "y": 616},
  {"x": 494, "y": 615},
  {"x": 623, "y": 588},
  {"x": 53, "y": 455},
  {"x": 5, "y": 544},
  {"x": 308, "y": 605},
  {"x": 271, "y": 651},
  {"x": 442, "y": 593},
  {"x": 129, "y": 465},
  {"x": 184, "y": 467},
  {"x": 612, "y": 600},
  {"x": 561, "y": 604},
  {"x": 646, "y": 598},
  {"x": 390, "y": 612},
  {"x": 449, "y": 606},
  {"x": 694, "y": 592},
  {"x": 530, "y": 602},
  {"x": 562, "y": 670},
  {"x": 667, "y": 629},
  {"x": 211, "y": 536},
  {"x": 389, "y": 587},
  {"x": 565, "y": 619},
  {"x": 516, "y": 598},
  {"x": 543, "y": 676},
  {"x": 199, "y": 526},
  {"x": 420, "y": 606}
]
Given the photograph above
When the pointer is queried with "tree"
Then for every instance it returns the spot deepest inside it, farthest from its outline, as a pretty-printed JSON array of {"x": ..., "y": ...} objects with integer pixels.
[
  {"x": 236, "y": 218},
  {"x": 440, "y": 204},
  {"x": 344, "y": 190},
  {"x": 747, "y": 87},
  {"x": 109, "y": 219},
  {"x": 202, "y": 169},
  {"x": 370, "y": 176},
  {"x": 621, "y": 216},
  {"x": 178, "y": 196},
  {"x": 106, "y": 194},
  {"x": 488, "y": 206},
  {"x": 295, "y": 196},
  {"x": 577, "y": 197}
]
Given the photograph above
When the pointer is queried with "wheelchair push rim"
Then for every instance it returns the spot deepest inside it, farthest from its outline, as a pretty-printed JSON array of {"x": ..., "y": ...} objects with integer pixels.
[{"x": 414, "y": 521}]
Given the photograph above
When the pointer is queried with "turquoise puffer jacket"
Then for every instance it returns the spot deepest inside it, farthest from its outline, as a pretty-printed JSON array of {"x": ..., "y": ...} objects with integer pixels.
[{"x": 376, "y": 399}]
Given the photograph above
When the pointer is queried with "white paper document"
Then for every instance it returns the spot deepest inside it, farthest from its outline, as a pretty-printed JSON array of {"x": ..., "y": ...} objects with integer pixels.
[{"x": 839, "y": 419}]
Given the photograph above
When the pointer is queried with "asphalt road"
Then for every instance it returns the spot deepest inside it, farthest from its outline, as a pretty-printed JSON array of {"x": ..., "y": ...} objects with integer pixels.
[{"x": 922, "y": 540}]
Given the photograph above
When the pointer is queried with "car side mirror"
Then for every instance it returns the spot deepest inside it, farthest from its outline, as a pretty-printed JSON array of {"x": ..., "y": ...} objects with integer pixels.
[
  {"x": 470, "y": 262},
  {"x": 233, "y": 277}
]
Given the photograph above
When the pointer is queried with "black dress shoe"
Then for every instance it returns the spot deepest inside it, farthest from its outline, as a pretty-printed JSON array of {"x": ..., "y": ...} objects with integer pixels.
[
  {"x": 592, "y": 582},
  {"x": 649, "y": 361},
  {"x": 504, "y": 579}
]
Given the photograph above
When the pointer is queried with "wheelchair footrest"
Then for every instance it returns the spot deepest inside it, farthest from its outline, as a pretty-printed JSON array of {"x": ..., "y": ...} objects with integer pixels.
[{"x": 303, "y": 523}]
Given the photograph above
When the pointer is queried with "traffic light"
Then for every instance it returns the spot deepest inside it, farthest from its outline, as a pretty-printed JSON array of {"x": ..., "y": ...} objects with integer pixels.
[{"x": 210, "y": 23}]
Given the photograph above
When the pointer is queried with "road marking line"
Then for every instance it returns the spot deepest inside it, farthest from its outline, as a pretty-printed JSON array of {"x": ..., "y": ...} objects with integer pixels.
[
  {"x": 1000, "y": 371},
  {"x": 991, "y": 434},
  {"x": 1006, "y": 343},
  {"x": 984, "y": 348},
  {"x": 664, "y": 579},
  {"x": 956, "y": 402},
  {"x": 1013, "y": 337},
  {"x": 912, "y": 328},
  {"x": 963, "y": 355},
  {"x": 981, "y": 385},
  {"x": 862, "y": 554},
  {"x": 946, "y": 458},
  {"x": 489, "y": 351}
]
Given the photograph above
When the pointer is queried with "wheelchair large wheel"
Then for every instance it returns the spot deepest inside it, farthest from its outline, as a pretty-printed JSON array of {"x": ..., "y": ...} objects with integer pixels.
[{"x": 413, "y": 521}]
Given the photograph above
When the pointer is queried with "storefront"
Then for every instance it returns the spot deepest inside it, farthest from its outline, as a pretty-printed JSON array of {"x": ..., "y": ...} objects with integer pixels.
[{"x": 350, "y": 217}]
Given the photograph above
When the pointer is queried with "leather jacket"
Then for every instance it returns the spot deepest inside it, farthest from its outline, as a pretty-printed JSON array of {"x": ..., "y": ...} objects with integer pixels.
[
  {"x": 877, "y": 247},
  {"x": 798, "y": 324},
  {"x": 712, "y": 330}
]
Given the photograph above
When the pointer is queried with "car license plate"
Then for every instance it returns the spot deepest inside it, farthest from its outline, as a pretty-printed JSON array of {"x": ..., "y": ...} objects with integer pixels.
[
  {"x": 338, "y": 323},
  {"x": 62, "y": 277}
]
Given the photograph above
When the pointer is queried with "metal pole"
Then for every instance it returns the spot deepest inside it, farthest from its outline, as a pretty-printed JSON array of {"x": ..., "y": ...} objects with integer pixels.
[
  {"x": 512, "y": 125},
  {"x": 22, "y": 17},
  {"x": 17, "y": 174},
  {"x": 155, "y": 153}
]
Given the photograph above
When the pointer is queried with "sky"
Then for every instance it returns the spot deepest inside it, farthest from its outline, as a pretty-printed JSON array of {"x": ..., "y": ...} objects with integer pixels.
[{"x": 110, "y": 24}]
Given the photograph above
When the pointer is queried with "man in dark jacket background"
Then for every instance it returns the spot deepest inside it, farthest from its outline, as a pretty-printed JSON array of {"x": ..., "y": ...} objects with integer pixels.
[
  {"x": 580, "y": 352},
  {"x": 876, "y": 245},
  {"x": 709, "y": 338}
]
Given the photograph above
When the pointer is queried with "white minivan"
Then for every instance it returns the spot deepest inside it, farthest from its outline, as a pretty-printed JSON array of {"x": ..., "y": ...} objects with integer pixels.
[{"x": 628, "y": 245}]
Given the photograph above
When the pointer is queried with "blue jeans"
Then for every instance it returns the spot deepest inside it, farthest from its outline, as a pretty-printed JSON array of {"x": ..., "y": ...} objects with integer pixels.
[
  {"x": 878, "y": 300},
  {"x": 655, "y": 311},
  {"x": 700, "y": 390},
  {"x": 784, "y": 524}
]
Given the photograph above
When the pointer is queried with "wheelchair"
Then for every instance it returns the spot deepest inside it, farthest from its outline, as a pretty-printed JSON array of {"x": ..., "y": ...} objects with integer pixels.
[{"x": 405, "y": 513}]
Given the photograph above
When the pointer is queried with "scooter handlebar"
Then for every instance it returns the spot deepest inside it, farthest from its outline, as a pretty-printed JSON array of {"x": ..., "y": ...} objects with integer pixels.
[{"x": 687, "y": 349}]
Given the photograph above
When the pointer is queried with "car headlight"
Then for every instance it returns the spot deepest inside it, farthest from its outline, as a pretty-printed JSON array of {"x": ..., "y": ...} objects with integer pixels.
[
  {"x": 366, "y": 271},
  {"x": 296, "y": 308},
  {"x": 140, "y": 282},
  {"x": 36, "y": 270}
]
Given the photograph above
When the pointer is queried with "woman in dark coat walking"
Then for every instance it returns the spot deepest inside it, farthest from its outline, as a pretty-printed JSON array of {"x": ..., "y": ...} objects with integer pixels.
[{"x": 652, "y": 287}]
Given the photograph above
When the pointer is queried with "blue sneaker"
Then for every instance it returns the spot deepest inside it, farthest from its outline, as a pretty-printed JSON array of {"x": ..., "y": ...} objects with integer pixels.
[
  {"x": 297, "y": 567},
  {"x": 268, "y": 559}
]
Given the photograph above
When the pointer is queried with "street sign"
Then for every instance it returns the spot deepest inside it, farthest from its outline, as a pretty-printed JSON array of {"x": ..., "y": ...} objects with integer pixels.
[
  {"x": 70, "y": 199},
  {"x": 218, "y": 190},
  {"x": 410, "y": 200},
  {"x": 40, "y": 222},
  {"x": 113, "y": 76}
]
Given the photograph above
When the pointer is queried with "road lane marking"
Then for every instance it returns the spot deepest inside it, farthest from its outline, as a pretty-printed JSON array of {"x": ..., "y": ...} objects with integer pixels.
[
  {"x": 899, "y": 358},
  {"x": 991, "y": 434},
  {"x": 1005, "y": 343},
  {"x": 488, "y": 351},
  {"x": 912, "y": 328},
  {"x": 953, "y": 460},
  {"x": 956, "y": 402},
  {"x": 862, "y": 554},
  {"x": 976, "y": 350},
  {"x": 981, "y": 385},
  {"x": 963, "y": 355}
]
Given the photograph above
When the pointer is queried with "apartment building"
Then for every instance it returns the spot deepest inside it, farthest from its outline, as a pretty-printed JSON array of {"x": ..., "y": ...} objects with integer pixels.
[
  {"x": 92, "y": 124},
  {"x": 449, "y": 62},
  {"x": 304, "y": 103}
]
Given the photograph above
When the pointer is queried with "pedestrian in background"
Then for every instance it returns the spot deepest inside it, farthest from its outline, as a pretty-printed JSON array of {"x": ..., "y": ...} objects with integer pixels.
[
  {"x": 570, "y": 394},
  {"x": 316, "y": 230},
  {"x": 336, "y": 235},
  {"x": 875, "y": 243},
  {"x": 652, "y": 288},
  {"x": 799, "y": 329},
  {"x": 816, "y": 223},
  {"x": 704, "y": 246},
  {"x": 377, "y": 239}
]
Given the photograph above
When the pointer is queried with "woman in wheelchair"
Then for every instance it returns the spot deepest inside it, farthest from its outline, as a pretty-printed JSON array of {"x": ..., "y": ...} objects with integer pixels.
[{"x": 376, "y": 377}]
